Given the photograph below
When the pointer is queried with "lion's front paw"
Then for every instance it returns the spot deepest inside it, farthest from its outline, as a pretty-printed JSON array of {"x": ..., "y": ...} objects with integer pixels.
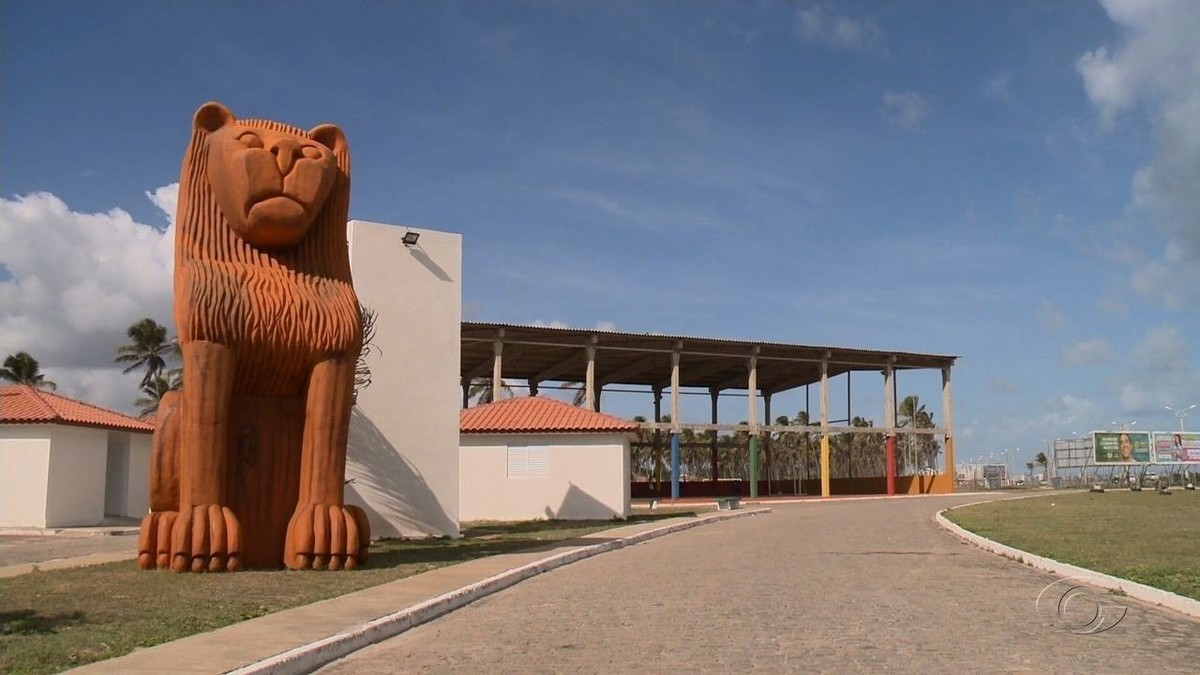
[
  {"x": 206, "y": 538},
  {"x": 154, "y": 540},
  {"x": 327, "y": 536}
]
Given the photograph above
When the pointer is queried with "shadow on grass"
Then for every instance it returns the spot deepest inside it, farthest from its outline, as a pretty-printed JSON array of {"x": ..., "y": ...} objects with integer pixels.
[{"x": 29, "y": 622}]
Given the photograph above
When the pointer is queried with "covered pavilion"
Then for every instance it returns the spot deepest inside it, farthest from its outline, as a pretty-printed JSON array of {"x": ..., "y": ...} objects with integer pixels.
[{"x": 669, "y": 363}]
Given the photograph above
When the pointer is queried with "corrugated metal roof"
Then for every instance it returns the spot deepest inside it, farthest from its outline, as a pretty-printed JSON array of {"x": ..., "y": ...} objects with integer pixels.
[
  {"x": 702, "y": 339},
  {"x": 538, "y": 415},
  {"x": 23, "y": 404}
]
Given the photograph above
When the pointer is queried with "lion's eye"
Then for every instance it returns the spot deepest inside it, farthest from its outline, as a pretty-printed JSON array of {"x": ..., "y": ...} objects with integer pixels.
[
  {"x": 311, "y": 152},
  {"x": 251, "y": 140}
]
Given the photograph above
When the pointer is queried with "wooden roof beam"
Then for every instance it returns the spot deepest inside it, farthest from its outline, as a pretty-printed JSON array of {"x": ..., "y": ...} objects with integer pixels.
[
  {"x": 555, "y": 371},
  {"x": 636, "y": 367}
]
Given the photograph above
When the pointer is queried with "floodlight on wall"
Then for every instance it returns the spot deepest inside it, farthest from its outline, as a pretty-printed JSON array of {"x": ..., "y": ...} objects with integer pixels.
[{"x": 410, "y": 238}]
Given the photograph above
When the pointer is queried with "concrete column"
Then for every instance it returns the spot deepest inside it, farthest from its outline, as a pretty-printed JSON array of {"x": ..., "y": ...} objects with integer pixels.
[
  {"x": 657, "y": 436},
  {"x": 466, "y": 387},
  {"x": 675, "y": 465},
  {"x": 497, "y": 369},
  {"x": 675, "y": 388},
  {"x": 948, "y": 415},
  {"x": 590, "y": 382},
  {"x": 767, "y": 439},
  {"x": 889, "y": 422},
  {"x": 752, "y": 416},
  {"x": 825, "y": 425},
  {"x": 714, "y": 393},
  {"x": 533, "y": 387}
]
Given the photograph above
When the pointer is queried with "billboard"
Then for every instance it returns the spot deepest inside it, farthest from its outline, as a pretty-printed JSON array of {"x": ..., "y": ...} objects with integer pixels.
[
  {"x": 1121, "y": 447},
  {"x": 1176, "y": 446}
]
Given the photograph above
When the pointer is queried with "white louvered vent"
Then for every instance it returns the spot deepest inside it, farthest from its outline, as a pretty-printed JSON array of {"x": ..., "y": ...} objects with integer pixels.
[{"x": 528, "y": 461}]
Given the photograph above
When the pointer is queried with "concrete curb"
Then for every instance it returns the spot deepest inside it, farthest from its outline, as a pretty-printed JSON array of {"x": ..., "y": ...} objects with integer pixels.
[
  {"x": 1155, "y": 596},
  {"x": 307, "y": 658},
  {"x": 9, "y": 571}
]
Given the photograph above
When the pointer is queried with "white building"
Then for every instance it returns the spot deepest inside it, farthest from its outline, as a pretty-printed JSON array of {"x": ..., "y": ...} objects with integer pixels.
[
  {"x": 66, "y": 463},
  {"x": 402, "y": 460},
  {"x": 531, "y": 457}
]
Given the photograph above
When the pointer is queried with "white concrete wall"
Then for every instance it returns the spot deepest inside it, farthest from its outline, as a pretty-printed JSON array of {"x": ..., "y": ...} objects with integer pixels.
[
  {"x": 24, "y": 471},
  {"x": 137, "y": 497},
  {"x": 588, "y": 478},
  {"x": 403, "y": 454},
  {"x": 127, "y": 482},
  {"x": 75, "y": 494},
  {"x": 116, "y": 473}
]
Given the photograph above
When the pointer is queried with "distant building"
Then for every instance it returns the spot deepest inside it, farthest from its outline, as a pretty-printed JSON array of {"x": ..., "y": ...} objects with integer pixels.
[
  {"x": 532, "y": 457},
  {"x": 67, "y": 463}
]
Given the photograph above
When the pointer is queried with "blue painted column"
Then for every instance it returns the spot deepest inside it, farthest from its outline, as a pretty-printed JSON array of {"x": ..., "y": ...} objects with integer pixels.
[
  {"x": 675, "y": 466},
  {"x": 754, "y": 466}
]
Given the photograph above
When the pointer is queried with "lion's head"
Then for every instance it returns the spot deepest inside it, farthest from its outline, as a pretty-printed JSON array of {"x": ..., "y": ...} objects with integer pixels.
[{"x": 269, "y": 182}]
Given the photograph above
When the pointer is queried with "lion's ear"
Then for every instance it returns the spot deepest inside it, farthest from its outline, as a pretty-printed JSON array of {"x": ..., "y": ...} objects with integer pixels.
[
  {"x": 212, "y": 116},
  {"x": 331, "y": 136}
]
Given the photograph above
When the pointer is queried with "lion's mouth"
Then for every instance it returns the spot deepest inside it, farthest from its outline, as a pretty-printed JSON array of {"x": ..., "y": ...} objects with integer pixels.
[{"x": 268, "y": 197}]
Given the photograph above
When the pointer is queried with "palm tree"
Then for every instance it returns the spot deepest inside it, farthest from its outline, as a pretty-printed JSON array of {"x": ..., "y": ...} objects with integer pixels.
[
  {"x": 156, "y": 389},
  {"x": 481, "y": 390},
  {"x": 148, "y": 348},
  {"x": 362, "y": 370},
  {"x": 580, "y": 389},
  {"x": 22, "y": 368},
  {"x": 923, "y": 448},
  {"x": 1029, "y": 467},
  {"x": 1043, "y": 462}
]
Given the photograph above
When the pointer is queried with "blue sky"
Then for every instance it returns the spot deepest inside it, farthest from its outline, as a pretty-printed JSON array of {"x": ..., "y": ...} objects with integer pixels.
[{"x": 1015, "y": 183}]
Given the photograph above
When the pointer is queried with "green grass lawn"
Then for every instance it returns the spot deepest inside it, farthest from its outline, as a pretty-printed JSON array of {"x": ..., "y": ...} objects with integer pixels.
[
  {"x": 51, "y": 621},
  {"x": 1141, "y": 536}
]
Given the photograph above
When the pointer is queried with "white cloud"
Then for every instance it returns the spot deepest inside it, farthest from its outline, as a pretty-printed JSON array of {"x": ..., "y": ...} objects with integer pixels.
[
  {"x": 78, "y": 281},
  {"x": 1156, "y": 70},
  {"x": 1067, "y": 410},
  {"x": 1112, "y": 305},
  {"x": 1088, "y": 353},
  {"x": 1052, "y": 318},
  {"x": 998, "y": 87},
  {"x": 816, "y": 24},
  {"x": 906, "y": 109},
  {"x": 1001, "y": 385},
  {"x": 1161, "y": 373},
  {"x": 1162, "y": 350}
]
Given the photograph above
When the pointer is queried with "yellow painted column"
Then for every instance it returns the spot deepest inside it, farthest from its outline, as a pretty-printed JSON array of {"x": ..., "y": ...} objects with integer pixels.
[
  {"x": 825, "y": 425},
  {"x": 948, "y": 418},
  {"x": 825, "y": 466}
]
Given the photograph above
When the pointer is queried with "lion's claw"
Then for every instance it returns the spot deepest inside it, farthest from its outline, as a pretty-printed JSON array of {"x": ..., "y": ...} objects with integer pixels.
[
  {"x": 327, "y": 536},
  {"x": 206, "y": 538}
]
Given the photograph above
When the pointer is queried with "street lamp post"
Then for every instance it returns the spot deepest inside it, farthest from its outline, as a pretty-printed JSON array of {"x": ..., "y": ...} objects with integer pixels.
[{"x": 1181, "y": 413}]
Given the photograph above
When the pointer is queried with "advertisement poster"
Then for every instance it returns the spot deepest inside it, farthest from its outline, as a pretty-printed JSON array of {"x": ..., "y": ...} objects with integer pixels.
[
  {"x": 1176, "y": 446},
  {"x": 1121, "y": 447}
]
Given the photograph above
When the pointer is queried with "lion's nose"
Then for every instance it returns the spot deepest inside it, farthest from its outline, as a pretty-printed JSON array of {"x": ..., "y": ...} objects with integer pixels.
[{"x": 286, "y": 152}]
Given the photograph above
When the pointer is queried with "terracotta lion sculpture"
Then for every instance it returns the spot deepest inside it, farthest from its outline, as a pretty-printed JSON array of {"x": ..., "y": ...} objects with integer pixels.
[{"x": 249, "y": 459}]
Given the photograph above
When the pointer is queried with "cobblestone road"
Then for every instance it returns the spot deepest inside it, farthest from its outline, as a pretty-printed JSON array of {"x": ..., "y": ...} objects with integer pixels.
[{"x": 829, "y": 587}]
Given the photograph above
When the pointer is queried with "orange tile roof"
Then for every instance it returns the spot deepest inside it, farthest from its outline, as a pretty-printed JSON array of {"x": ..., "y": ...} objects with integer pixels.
[
  {"x": 23, "y": 404},
  {"x": 537, "y": 415}
]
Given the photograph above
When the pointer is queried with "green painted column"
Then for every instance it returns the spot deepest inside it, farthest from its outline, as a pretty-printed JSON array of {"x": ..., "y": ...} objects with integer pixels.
[{"x": 754, "y": 466}]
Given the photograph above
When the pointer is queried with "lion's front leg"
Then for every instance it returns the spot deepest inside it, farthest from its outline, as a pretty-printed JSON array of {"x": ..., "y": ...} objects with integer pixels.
[
  {"x": 324, "y": 532},
  {"x": 205, "y": 534}
]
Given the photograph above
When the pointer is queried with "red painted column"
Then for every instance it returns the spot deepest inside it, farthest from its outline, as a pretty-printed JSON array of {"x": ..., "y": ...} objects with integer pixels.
[{"x": 891, "y": 465}]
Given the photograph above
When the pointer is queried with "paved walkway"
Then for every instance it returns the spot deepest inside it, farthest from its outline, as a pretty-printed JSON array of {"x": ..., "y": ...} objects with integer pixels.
[
  {"x": 828, "y": 587},
  {"x": 18, "y": 553}
]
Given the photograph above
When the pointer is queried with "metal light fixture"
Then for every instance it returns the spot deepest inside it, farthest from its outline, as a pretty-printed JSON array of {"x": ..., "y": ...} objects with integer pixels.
[
  {"x": 1181, "y": 413},
  {"x": 410, "y": 238}
]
